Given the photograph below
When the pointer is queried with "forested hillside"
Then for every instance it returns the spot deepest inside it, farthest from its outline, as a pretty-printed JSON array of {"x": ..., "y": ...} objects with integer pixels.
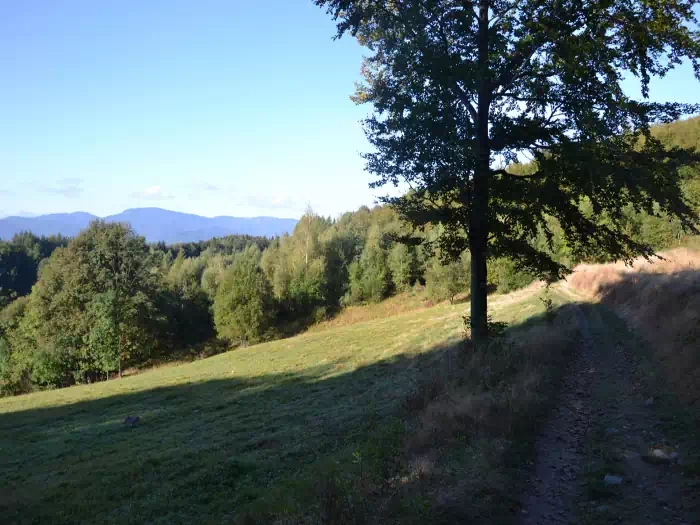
[
  {"x": 19, "y": 263},
  {"x": 107, "y": 300}
]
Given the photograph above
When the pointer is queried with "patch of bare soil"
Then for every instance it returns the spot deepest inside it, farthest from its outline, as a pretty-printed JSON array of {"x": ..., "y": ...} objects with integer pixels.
[{"x": 609, "y": 453}]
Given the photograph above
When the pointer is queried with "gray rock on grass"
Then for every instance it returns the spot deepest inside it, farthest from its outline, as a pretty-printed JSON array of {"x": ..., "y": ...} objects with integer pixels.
[
  {"x": 132, "y": 421},
  {"x": 611, "y": 479}
]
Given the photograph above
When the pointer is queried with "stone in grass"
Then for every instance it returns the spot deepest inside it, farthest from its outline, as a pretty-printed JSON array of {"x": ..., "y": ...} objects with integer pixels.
[
  {"x": 612, "y": 479},
  {"x": 132, "y": 421},
  {"x": 661, "y": 454}
]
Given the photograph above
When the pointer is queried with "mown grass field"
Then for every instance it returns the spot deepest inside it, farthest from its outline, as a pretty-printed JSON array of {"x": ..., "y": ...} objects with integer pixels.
[{"x": 243, "y": 431}]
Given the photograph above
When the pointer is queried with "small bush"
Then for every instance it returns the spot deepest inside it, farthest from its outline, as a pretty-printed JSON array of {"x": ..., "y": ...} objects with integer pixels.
[
  {"x": 445, "y": 281},
  {"x": 495, "y": 329},
  {"x": 504, "y": 275},
  {"x": 546, "y": 299}
]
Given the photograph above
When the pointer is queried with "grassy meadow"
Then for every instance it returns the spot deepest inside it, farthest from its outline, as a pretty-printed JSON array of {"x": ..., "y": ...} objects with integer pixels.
[{"x": 245, "y": 433}]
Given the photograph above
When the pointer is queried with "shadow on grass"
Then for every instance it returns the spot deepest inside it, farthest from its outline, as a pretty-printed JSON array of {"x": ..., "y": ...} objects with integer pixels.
[
  {"x": 207, "y": 452},
  {"x": 201, "y": 450}
]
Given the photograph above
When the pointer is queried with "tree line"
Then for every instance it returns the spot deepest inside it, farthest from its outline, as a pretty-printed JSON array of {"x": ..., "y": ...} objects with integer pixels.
[{"x": 82, "y": 309}]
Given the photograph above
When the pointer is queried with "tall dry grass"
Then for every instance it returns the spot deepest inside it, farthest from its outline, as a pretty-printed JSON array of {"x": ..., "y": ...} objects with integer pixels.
[
  {"x": 494, "y": 391},
  {"x": 661, "y": 300},
  {"x": 485, "y": 405}
]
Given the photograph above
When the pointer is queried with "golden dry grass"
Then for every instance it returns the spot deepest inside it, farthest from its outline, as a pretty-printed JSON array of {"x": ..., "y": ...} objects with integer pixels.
[
  {"x": 474, "y": 413},
  {"x": 396, "y": 305},
  {"x": 662, "y": 301},
  {"x": 499, "y": 387}
]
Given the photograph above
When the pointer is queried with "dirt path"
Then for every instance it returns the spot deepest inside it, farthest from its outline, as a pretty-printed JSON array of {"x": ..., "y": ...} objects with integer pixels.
[
  {"x": 604, "y": 426},
  {"x": 560, "y": 449}
]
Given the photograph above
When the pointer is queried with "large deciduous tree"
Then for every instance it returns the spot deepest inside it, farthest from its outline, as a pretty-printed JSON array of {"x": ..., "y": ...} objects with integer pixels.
[
  {"x": 92, "y": 307},
  {"x": 463, "y": 89}
]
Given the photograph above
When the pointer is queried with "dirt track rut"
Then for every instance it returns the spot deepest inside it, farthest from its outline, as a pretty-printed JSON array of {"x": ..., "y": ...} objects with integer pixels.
[{"x": 604, "y": 425}]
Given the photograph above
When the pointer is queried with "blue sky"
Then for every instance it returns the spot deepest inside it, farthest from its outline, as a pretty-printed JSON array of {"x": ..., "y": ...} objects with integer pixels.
[{"x": 227, "y": 107}]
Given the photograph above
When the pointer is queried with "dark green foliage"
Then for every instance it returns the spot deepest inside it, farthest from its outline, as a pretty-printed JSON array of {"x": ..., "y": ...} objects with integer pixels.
[
  {"x": 339, "y": 248},
  {"x": 404, "y": 266},
  {"x": 215, "y": 246},
  {"x": 11, "y": 315},
  {"x": 370, "y": 279},
  {"x": 17, "y": 271},
  {"x": 185, "y": 302},
  {"x": 461, "y": 90},
  {"x": 244, "y": 308},
  {"x": 446, "y": 279},
  {"x": 103, "y": 338},
  {"x": 505, "y": 276},
  {"x": 90, "y": 312},
  {"x": 12, "y": 379},
  {"x": 19, "y": 263}
]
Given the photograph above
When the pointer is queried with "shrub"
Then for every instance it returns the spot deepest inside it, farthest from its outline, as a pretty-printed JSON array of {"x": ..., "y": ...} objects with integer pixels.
[
  {"x": 403, "y": 264},
  {"x": 369, "y": 277},
  {"x": 503, "y": 274},
  {"x": 445, "y": 281}
]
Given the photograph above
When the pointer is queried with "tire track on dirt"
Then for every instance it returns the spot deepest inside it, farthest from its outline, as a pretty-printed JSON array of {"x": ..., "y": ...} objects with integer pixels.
[
  {"x": 628, "y": 426},
  {"x": 605, "y": 424},
  {"x": 560, "y": 448}
]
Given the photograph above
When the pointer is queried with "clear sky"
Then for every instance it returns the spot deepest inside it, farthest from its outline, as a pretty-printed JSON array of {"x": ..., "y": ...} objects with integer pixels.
[{"x": 214, "y": 107}]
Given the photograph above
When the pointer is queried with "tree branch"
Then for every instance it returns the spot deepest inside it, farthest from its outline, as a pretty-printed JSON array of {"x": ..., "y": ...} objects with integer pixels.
[
  {"x": 464, "y": 99},
  {"x": 537, "y": 175}
]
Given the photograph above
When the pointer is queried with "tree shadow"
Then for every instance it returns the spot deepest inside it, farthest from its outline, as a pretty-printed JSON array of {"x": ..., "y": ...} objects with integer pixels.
[{"x": 199, "y": 449}]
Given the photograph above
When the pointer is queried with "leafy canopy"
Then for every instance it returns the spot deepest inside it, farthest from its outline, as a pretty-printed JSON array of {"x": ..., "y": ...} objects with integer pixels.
[
  {"x": 456, "y": 81},
  {"x": 244, "y": 306},
  {"x": 92, "y": 307}
]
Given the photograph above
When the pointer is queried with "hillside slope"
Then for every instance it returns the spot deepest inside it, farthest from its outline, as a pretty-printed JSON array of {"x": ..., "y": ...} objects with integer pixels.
[
  {"x": 661, "y": 300},
  {"x": 391, "y": 420},
  {"x": 254, "y": 429}
]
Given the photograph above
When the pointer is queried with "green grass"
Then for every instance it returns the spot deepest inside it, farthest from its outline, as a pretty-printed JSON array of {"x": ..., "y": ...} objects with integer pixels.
[{"x": 245, "y": 430}]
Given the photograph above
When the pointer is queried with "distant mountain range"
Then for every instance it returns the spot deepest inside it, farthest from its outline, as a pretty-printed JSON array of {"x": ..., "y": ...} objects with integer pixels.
[{"x": 155, "y": 224}]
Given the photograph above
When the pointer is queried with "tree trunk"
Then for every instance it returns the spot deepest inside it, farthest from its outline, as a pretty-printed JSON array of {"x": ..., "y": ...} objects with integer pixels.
[
  {"x": 118, "y": 329},
  {"x": 479, "y": 223}
]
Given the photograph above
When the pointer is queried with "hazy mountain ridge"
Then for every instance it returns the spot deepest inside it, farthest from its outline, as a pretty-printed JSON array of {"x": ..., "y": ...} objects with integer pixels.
[{"x": 156, "y": 224}]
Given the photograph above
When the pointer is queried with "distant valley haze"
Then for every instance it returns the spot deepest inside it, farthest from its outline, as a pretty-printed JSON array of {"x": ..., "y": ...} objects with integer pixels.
[{"x": 155, "y": 224}]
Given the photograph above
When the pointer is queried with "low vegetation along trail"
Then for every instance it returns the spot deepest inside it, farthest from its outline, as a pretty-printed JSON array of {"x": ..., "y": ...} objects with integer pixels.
[{"x": 613, "y": 450}]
